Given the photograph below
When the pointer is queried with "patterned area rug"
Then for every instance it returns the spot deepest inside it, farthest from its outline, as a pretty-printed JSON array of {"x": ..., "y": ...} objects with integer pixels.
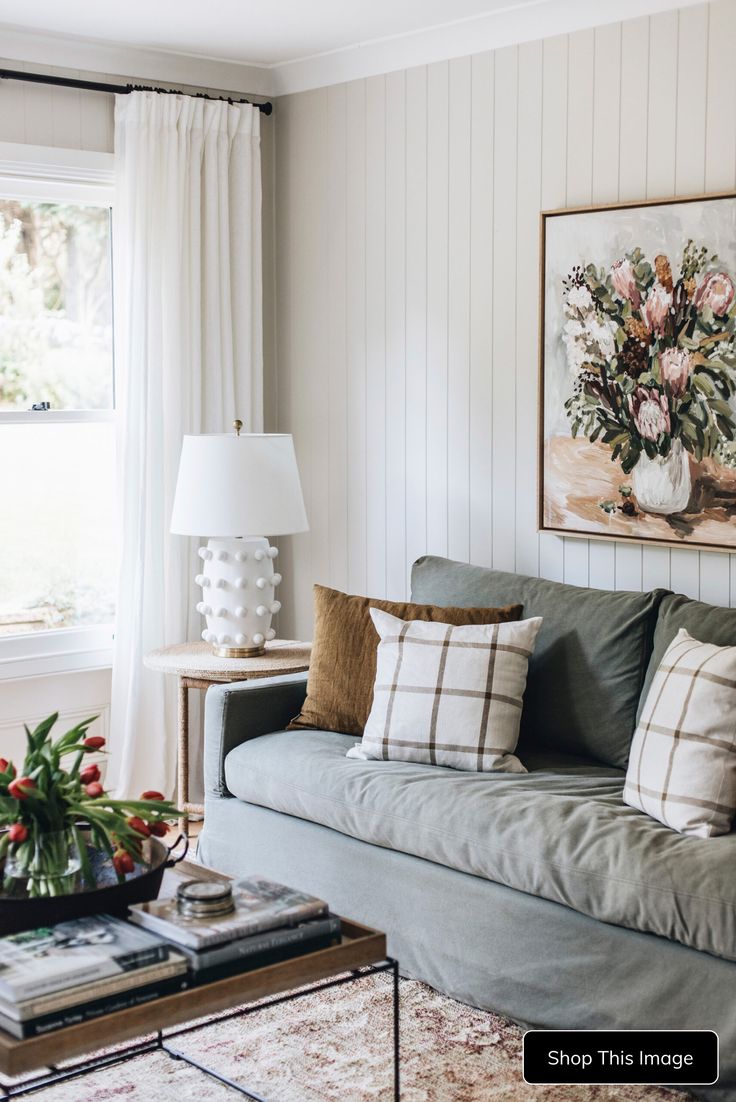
[{"x": 336, "y": 1045}]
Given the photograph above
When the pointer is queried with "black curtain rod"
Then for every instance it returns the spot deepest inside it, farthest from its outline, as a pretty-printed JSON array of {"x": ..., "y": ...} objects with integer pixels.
[{"x": 119, "y": 89}]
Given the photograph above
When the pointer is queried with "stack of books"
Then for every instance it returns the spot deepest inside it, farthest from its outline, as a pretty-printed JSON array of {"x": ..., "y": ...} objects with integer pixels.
[
  {"x": 74, "y": 971},
  {"x": 268, "y": 923}
]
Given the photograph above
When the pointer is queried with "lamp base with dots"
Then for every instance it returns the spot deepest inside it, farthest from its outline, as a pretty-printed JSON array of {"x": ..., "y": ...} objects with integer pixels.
[{"x": 238, "y": 585}]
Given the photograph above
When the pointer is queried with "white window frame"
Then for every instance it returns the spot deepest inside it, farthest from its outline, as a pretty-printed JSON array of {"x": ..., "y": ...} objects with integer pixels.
[{"x": 72, "y": 176}]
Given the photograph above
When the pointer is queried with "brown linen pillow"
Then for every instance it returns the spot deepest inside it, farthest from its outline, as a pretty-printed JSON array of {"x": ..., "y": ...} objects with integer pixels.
[{"x": 343, "y": 663}]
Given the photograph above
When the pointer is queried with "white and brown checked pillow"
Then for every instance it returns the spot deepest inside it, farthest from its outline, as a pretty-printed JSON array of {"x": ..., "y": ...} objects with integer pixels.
[
  {"x": 448, "y": 695},
  {"x": 682, "y": 767}
]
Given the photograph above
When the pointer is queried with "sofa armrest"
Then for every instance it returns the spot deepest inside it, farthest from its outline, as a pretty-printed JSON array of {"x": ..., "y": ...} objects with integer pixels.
[{"x": 243, "y": 710}]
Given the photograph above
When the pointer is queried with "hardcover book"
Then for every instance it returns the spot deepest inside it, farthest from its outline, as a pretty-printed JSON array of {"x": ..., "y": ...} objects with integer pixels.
[
  {"x": 157, "y": 982},
  {"x": 176, "y": 965},
  {"x": 246, "y": 949},
  {"x": 85, "y": 1012},
  {"x": 51, "y": 958},
  {"x": 260, "y": 905},
  {"x": 260, "y": 960}
]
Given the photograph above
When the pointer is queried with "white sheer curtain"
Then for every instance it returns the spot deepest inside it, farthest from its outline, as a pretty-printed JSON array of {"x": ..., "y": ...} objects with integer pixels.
[{"x": 187, "y": 245}]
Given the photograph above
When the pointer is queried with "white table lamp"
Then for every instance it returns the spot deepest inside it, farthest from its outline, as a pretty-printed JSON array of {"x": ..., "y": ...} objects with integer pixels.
[{"x": 231, "y": 485}]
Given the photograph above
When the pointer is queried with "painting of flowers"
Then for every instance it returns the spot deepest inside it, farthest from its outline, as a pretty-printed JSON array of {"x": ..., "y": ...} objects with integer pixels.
[{"x": 638, "y": 372}]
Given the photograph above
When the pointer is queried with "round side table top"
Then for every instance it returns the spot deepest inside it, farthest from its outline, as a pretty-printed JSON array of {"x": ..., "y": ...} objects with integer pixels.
[{"x": 198, "y": 660}]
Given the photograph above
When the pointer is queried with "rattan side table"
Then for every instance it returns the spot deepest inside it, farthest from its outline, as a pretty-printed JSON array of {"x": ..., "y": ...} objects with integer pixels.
[{"x": 197, "y": 667}]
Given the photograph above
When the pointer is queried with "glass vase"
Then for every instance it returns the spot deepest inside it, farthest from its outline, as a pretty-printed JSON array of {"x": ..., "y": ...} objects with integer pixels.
[
  {"x": 44, "y": 865},
  {"x": 662, "y": 485}
]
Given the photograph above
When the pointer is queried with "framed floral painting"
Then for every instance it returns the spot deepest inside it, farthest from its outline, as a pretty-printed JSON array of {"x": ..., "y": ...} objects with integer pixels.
[{"x": 638, "y": 372}]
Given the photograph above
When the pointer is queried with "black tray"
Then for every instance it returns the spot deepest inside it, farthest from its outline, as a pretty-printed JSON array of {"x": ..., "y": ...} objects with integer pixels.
[{"x": 139, "y": 886}]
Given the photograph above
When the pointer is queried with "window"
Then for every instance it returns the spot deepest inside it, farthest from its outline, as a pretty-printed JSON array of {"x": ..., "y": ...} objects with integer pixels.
[{"x": 57, "y": 542}]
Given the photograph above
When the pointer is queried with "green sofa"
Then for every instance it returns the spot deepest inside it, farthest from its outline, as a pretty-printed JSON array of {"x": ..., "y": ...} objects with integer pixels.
[{"x": 539, "y": 895}]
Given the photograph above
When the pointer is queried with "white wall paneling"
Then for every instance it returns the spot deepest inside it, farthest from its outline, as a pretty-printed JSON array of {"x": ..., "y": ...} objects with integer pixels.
[
  {"x": 396, "y": 368},
  {"x": 356, "y": 458},
  {"x": 480, "y": 497},
  {"x": 428, "y": 184},
  {"x": 415, "y": 292},
  {"x": 503, "y": 306},
  {"x": 553, "y": 194},
  {"x": 335, "y": 347},
  {"x": 375, "y": 334}
]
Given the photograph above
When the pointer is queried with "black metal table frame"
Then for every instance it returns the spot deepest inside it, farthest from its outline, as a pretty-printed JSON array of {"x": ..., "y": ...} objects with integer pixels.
[{"x": 159, "y": 1042}]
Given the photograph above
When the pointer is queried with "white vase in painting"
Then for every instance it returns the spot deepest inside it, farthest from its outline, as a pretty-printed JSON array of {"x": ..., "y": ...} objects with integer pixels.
[{"x": 662, "y": 485}]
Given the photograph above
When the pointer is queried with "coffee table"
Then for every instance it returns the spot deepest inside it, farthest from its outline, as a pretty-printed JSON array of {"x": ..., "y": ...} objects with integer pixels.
[{"x": 360, "y": 953}]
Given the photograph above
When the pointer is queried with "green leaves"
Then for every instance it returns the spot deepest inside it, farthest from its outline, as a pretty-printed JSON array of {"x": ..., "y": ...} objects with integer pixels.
[
  {"x": 76, "y": 734},
  {"x": 629, "y": 454},
  {"x": 37, "y": 738}
]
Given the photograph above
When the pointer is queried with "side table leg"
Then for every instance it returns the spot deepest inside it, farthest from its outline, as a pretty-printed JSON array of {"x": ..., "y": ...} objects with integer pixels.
[{"x": 183, "y": 755}]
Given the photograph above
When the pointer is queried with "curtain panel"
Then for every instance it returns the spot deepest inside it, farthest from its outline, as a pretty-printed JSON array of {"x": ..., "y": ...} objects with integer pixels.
[{"x": 188, "y": 359}]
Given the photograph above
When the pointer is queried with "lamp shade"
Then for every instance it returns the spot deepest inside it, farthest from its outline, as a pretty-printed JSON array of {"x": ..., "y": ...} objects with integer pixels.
[{"x": 242, "y": 485}]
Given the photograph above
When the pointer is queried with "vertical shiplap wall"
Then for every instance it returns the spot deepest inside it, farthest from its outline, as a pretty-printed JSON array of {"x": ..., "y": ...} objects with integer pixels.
[{"x": 407, "y": 214}]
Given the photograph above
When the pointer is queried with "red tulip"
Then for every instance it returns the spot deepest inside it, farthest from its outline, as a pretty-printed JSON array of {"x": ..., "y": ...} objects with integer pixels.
[
  {"x": 95, "y": 789},
  {"x": 150, "y": 794},
  {"x": 18, "y": 832},
  {"x": 94, "y": 742},
  {"x": 138, "y": 825},
  {"x": 89, "y": 774},
  {"x": 123, "y": 862},
  {"x": 4, "y": 763},
  {"x": 159, "y": 829},
  {"x": 21, "y": 788}
]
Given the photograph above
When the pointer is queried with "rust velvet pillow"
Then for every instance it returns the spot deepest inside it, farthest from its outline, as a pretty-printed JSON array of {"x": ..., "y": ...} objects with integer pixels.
[{"x": 343, "y": 663}]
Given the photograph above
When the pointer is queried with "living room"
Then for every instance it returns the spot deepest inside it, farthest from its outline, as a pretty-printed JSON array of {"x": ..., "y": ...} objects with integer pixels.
[{"x": 367, "y": 623}]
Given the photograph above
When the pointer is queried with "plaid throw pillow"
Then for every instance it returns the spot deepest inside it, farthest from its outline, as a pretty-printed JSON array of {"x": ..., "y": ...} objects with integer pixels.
[
  {"x": 448, "y": 695},
  {"x": 682, "y": 767}
]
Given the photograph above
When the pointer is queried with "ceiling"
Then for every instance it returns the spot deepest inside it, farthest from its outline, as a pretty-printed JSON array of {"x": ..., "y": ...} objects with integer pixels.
[
  {"x": 273, "y": 47},
  {"x": 260, "y": 32}
]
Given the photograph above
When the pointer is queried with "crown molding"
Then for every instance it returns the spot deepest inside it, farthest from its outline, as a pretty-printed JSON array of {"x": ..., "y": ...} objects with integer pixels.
[
  {"x": 505, "y": 27},
  {"x": 132, "y": 63},
  {"x": 530, "y": 21}
]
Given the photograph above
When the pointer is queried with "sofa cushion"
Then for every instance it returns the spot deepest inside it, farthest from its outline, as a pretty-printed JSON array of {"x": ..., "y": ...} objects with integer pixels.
[
  {"x": 342, "y": 668},
  {"x": 448, "y": 695},
  {"x": 707, "y": 623},
  {"x": 587, "y": 670},
  {"x": 682, "y": 768},
  {"x": 563, "y": 833}
]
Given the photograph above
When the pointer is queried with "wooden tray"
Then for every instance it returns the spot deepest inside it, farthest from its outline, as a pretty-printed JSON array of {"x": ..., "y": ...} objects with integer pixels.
[{"x": 358, "y": 947}]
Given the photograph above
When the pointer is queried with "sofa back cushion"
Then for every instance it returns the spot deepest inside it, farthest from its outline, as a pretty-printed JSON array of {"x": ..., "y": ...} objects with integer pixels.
[
  {"x": 707, "y": 623},
  {"x": 587, "y": 670}
]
